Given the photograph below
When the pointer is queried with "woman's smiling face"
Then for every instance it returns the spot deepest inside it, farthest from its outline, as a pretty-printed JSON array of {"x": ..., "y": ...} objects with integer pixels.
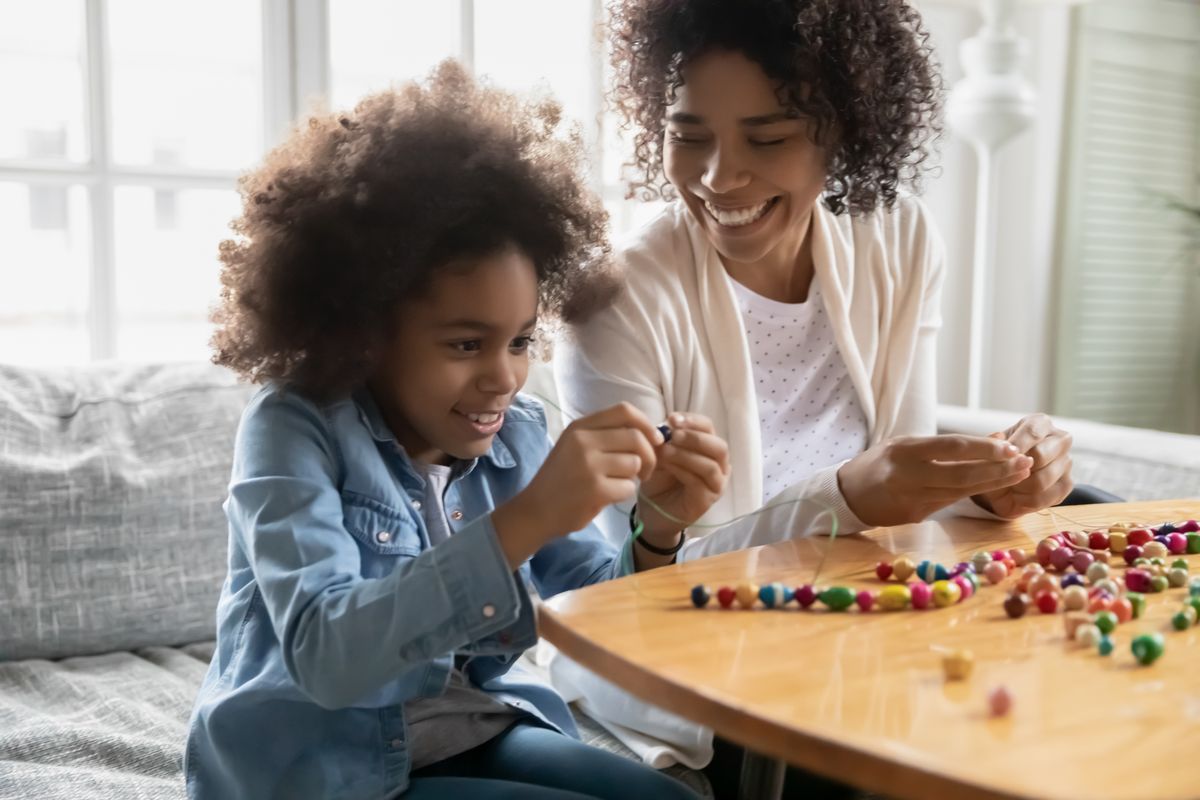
[{"x": 744, "y": 164}]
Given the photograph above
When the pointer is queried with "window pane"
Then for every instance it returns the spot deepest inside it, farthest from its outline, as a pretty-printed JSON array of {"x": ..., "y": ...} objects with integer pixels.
[
  {"x": 167, "y": 269},
  {"x": 44, "y": 274},
  {"x": 373, "y": 43},
  {"x": 186, "y": 83},
  {"x": 42, "y": 80},
  {"x": 513, "y": 48}
]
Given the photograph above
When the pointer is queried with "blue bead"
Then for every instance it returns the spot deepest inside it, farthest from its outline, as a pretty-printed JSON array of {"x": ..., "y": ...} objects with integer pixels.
[
  {"x": 1162, "y": 539},
  {"x": 700, "y": 596},
  {"x": 773, "y": 594},
  {"x": 665, "y": 430},
  {"x": 1073, "y": 579},
  {"x": 1165, "y": 528},
  {"x": 788, "y": 594}
]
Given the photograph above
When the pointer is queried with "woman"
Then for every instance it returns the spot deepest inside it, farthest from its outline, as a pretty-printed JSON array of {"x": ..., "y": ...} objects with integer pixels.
[{"x": 791, "y": 290}]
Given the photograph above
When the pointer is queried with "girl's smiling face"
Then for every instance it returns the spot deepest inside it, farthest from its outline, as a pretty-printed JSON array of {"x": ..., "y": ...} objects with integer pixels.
[
  {"x": 458, "y": 356},
  {"x": 745, "y": 165}
]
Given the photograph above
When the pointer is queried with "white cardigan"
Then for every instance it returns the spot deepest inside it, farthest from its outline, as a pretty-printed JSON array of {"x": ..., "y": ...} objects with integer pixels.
[{"x": 674, "y": 341}]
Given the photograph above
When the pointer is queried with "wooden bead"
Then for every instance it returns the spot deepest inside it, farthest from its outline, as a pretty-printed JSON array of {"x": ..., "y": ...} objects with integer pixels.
[
  {"x": 1190, "y": 526},
  {"x": 1148, "y": 648},
  {"x": 1047, "y": 602},
  {"x": 1106, "y": 646},
  {"x": 700, "y": 596},
  {"x": 1137, "y": 602},
  {"x": 865, "y": 600},
  {"x": 1061, "y": 558},
  {"x": 1184, "y": 619},
  {"x": 1139, "y": 536},
  {"x": 1132, "y": 553},
  {"x": 1097, "y": 572},
  {"x": 958, "y": 664},
  {"x": 837, "y": 598},
  {"x": 1078, "y": 538},
  {"x": 1088, "y": 635},
  {"x": 1075, "y": 598},
  {"x": 1044, "y": 583},
  {"x": 1071, "y": 622},
  {"x": 1117, "y": 542},
  {"x": 1154, "y": 550},
  {"x": 1193, "y": 542},
  {"x": 1177, "y": 577},
  {"x": 1082, "y": 560},
  {"x": 773, "y": 595},
  {"x": 1073, "y": 579},
  {"x": 1158, "y": 583},
  {"x": 930, "y": 572},
  {"x": 726, "y": 596},
  {"x": 1098, "y": 540},
  {"x": 747, "y": 594},
  {"x": 920, "y": 595},
  {"x": 1106, "y": 621},
  {"x": 1018, "y": 556},
  {"x": 1137, "y": 580},
  {"x": 1044, "y": 548},
  {"x": 995, "y": 571},
  {"x": 903, "y": 569},
  {"x": 806, "y": 595},
  {"x": 1100, "y": 602},
  {"x": 1177, "y": 543},
  {"x": 1000, "y": 701},
  {"x": 945, "y": 593},
  {"x": 1193, "y": 587},
  {"x": 883, "y": 570},
  {"x": 1016, "y": 604},
  {"x": 1122, "y": 608},
  {"x": 981, "y": 560},
  {"x": 965, "y": 586},
  {"x": 894, "y": 598}
]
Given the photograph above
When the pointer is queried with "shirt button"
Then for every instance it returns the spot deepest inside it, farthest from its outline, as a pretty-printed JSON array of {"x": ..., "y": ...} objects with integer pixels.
[
  {"x": 489, "y": 611},
  {"x": 383, "y": 537},
  {"x": 456, "y": 514},
  {"x": 397, "y": 744},
  {"x": 416, "y": 504}
]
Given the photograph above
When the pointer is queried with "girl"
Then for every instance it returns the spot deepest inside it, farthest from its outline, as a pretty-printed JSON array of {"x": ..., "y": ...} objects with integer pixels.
[{"x": 392, "y": 493}]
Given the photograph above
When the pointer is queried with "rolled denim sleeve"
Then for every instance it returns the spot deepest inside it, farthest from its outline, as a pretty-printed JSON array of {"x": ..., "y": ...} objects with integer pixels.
[
  {"x": 582, "y": 558},
  {"x": 344, "y": 636}
]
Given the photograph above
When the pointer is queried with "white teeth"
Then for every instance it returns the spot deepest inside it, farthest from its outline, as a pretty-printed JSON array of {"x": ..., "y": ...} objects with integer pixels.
[
  {"x": 734, "y": 218},
  {"x": 486, "y": 419}
]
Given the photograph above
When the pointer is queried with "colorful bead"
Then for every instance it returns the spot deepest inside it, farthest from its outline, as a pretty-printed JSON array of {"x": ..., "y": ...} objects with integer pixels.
[
  {"x": 1073, "y": 579},
  {"x": 865, "y": 600},
  {"x": 1154, "y": 550},
  {"x": 1180, "y": 563},
  {"x": 1097, "y": 572},
  {"x": 1138, "y": 603},
  {"x": 894, "y": 598},
  {"x": 1100, "y": 602},
  {"x": 1106, "y": 645},
  {"x": 1193, "y": 587},
  {"x": 1075, "y": 598},
  {"x": 920, "y": 595},
  {"x": 1158, "y": 583},
  {"x": 1193, "y": 543},
  {"x": 1077, "y": 538},
  {"x": 1047, "y": 602},
  {"x": 1137, "y": 580},
  {"x": 1061, "y": 558},
  {"x": 945, "y": 593},
  {"x": 1016, "y": 604},
  {"x": 1000, "y": 701},
  {"x": 1177, "y": 577},
  {"x": 726, "y": 596},
  {"x": 957, "y": 665},
  {"x": 981, "y": 560},
  {"x": 1106, "y": 621},
  {"x": 1071, "y": 622},
  {"x": 971, "y": 578},
  {"x": 965, "y": 587},
  {"x": 1185, "y": 619},
  {"x": 1018, "y": 556},
  {"x": 747, "y": 594},
  {"x": 1147, "y": 648},
  {"x": 1194, "y": 602},
  {"x": 1177, "y": 543},
  {"x": 806, "y": 595},
  {"x": 1139, "y": 536},
  {"x": 1088, "y": 635},
  {"x": 772, "y": 595},
  {"x": 995, "y": 571},
  {"x": 1044, "y": 583},
  {"x": 1107, "y": 585},
  {"x": 1122, "y": 608},
  {"x": 1191, "y": 526},
  {"x": 883, "y": 570},
  {"x": 1132, "y": 553},
  {"x": 1098, "y": 540},
  {"x": 700, "y": 596},
  {"x": 930, "y": 571},
  {"x": 903, "y": 569},
  {"x": 1164, "y": 529},
  {"x": 837, "y": 598},
  {"x": 1117, "y": 542},
  {"x": 1082, "y": 560},
  {"x": 1044, "y": 548}
]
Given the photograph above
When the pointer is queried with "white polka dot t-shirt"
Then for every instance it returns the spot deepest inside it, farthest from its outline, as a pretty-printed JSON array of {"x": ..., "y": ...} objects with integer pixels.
[{"x": 807, "y": 405}]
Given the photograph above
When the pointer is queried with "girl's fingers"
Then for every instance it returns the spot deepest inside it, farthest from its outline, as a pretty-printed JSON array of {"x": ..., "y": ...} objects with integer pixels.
[
  {"x": 679, "y": 420},
  {"x": 617, "y": 490},
  {"x": 703, "y": 467},
  {"x": 623, "y": 466},
  {"x": 622, "y": 415},
  {"x": 627, "y": 440},
  {"x": 706, "y": 444}
]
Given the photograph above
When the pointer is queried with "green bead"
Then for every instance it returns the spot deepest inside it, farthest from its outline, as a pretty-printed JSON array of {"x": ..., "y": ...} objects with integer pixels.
[
  {"x": 1194, "y": 602},
  {"x": 1141, "y": 562},
  {"x": 1180, "y": 563},
  {"x": 1147, "y": 648},
  {"x": 1106, "y": 621},
  {"x": 1158, "y": 583},
  {"x": 1193, "y": 542},
  {"x": 1106, "y": 645},
  {"x": 1158, "y": 561},
  {"x": 1185, "y": 619},
  {"x": 838, "y": 598},
  {"x": 1138, "y": 601},
  {"x": 1177, "y": 577}
]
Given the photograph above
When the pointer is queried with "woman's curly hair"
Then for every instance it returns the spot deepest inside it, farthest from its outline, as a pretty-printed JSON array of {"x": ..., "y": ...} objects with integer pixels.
[
  {"x": 354, "y": 214},
  {"x": 861, "y": 69}
]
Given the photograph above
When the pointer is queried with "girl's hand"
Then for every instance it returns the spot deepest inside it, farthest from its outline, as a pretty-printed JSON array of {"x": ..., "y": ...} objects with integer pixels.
[
  {"x": 691, "y": 474},
  {"x": 1049, "y": 481},
  {"x": 597, "y": 461},
  {"x": 907, "y": 479}
]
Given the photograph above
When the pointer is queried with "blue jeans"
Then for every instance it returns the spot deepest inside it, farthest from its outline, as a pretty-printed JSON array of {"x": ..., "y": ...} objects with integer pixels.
[{"x": 531, "y": 762}]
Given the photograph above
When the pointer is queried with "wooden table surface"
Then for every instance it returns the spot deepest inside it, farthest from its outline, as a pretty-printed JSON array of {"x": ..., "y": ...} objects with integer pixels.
[{"x": 862, "y": 698}]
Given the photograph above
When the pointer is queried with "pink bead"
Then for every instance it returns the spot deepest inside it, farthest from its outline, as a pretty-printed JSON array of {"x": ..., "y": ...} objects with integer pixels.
[
  {"x": 1078, "y": 538},
  {"x": 966, "y": 586},
  {"x": 1177, "y": 543},
  {"x": 1044, "y": 549},
  {"x": 1000, "y": 701},
  {"x": 999, "y": 555},
  {"x": 920, "y": 594},
  {"x": 995, "y": 572},
  {"x": 1132, "y": 553},
  {"x": 883, "y": 570},
  {"x": 1191, "y": 526},
  {"x": 1060, "y": 559},
  {"x": 865, "y": 600},
  {"x": 806, "y": 595},
  {"x": 1019, "y": 556},
  {"x": 1081, "y": 561},
  {"x": 1098, "y": 540}
]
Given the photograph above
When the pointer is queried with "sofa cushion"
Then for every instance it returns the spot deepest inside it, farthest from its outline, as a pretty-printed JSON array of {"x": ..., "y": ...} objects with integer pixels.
[{"x": 112, "y": 535}]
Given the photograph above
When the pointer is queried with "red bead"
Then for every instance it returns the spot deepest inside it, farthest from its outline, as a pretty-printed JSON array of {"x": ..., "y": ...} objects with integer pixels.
[
  {"x": 1132, "y": 553},
  {"x": 1047, "y": 602},
  {"x": 865, "y": 600},
  {"x": 1139, "y": 536},
  {"x": 726, "y": 596},
  {"x": 883, "y": 570},
  {"x": 1098, "y": 540},
  {"x": 1137, "y": 580},
  {"x": 806, "y": 595}
]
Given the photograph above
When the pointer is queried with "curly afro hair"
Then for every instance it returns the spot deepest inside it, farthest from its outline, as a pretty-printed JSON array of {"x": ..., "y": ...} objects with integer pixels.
[
  {"x": 355, "y": 213},
  {"x": 862, "y": 70}
]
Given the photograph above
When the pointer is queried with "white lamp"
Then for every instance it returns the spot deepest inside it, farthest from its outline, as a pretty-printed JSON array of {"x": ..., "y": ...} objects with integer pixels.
[{"x": 988, "y": 107}]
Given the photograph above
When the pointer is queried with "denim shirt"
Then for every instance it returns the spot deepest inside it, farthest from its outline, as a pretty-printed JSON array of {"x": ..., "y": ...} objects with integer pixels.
[{"x": 336, "y": 610}]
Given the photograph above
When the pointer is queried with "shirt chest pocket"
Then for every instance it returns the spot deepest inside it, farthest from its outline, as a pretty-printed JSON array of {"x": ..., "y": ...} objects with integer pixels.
[{"x": 386, "y": 537}]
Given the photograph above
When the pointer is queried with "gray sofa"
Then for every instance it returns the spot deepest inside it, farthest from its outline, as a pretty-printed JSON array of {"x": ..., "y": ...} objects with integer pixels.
[{"x": 112, "y": 553}]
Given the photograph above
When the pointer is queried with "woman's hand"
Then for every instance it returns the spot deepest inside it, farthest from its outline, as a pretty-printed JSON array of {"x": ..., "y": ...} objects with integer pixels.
[
  {"x": 1049, "y": 481},
  {"x": 690, "y": 475},
  {"x": 597, "y": 461},
  {"x": 906, "y": 479}
]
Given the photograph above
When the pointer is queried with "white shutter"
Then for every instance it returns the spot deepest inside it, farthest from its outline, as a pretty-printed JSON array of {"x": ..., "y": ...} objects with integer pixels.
[{"x": 1129, "y": 306}]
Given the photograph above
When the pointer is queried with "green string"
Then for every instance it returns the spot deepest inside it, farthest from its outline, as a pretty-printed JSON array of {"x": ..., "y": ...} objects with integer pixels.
[{"x": 639, "y": 527}]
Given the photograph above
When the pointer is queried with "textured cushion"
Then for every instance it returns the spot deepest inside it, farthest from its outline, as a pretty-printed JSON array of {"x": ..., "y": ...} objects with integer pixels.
[{"x": 112, "y": 477}]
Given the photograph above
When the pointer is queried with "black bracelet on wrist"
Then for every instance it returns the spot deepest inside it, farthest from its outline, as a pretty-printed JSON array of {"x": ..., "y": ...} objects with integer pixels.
[{"x": 634, "y": 527}]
